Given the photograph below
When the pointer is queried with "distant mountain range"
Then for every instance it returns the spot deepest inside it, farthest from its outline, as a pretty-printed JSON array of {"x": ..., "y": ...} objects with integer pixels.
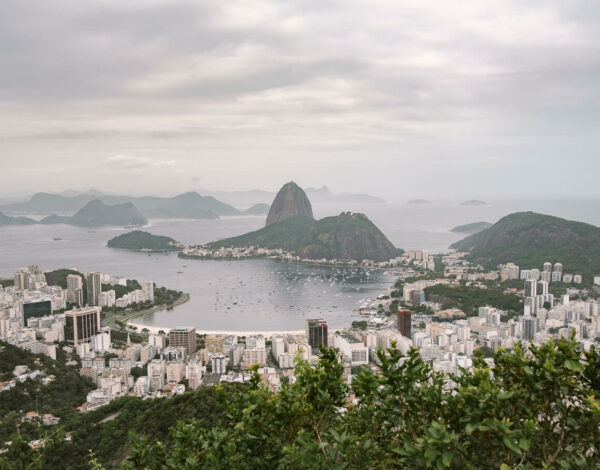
[
  {"x": 189, "y": 205},
  {"x": 318, "y": 195},
  {"x": 290, "y": 226},
  {"x": 475, "y": 227},
  {"x": 530, "y": 239},
  {"x": 94, "y": 214}
]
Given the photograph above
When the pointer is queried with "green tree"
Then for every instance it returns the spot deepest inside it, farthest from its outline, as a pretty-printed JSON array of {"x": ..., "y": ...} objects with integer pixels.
[{"x": 531, "y": 408}]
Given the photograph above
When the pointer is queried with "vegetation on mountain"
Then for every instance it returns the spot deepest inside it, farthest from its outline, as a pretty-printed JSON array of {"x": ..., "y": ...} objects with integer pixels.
[
  {"x": 60, "y": 397},
  {"x": 7, "y": 220},
  {"x": 291, "y": 201},
  {"x": 530, "y": 409},
  {"x": 529, "y": 239},
  {"x": 346, "y": 236},
  {"x": 139, "y": 240},
  {"x": 469, "y": 299},
  {"x": 97, "y": 214},
  {"x": 474, "y": 227}
]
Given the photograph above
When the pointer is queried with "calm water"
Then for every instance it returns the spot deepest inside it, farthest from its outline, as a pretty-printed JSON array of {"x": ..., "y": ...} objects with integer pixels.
[
  {"x": 258, "y": 295},
  {"x": 252, "y": 295}
]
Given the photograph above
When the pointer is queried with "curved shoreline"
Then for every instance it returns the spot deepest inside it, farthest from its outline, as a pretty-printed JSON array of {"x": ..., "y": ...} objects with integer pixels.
[
  {"x": 266, "y": 334},
  {"x": 303, "y": 262},
  {"x": 126, "y": 318}
]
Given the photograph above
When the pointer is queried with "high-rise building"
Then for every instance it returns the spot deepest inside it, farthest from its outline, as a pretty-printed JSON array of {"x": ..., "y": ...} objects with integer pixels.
[
  {"x": 530, "y": 288},
  {"x": 316, "y": 332},
  {"x": 547, "y": 267},
  {"x": 218, "y": 363},
  {"x": 184, "y": 337},
  {"x": 404, "y": 323},
  {"x": 529, "y": 327},
  {"x": 558, "y": 267},
  {"x": 542, "y": 288},
  {"x": 94, "y": 289},
  {"x": 20, "y": 280},
  {"x": 81, "y": 325},
  {"x": 74, "y": 283},
  {"x": 156, "y": 374},
  {"x": 148, "y": 291}
]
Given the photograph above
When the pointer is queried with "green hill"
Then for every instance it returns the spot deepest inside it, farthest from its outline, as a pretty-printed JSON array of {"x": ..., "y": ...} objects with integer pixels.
[
  {"x": 346, "y": 236},
  {"x": 138, "y": 240},
  {"x": 475, "y": 227},
  {"x": 530, "y": 239},
  {"x": 97, "y": 214}
]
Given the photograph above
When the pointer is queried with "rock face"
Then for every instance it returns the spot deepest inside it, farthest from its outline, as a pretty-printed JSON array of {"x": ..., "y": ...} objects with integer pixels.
[{"x": 290, "y": 201}]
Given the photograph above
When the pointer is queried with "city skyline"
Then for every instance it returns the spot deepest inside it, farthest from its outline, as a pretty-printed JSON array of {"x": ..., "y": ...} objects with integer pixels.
[{"x": 381, "y": 96}]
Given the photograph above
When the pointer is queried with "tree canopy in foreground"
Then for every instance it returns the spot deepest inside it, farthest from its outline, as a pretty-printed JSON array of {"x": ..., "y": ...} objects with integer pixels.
[{"x": 529, "y": 408}]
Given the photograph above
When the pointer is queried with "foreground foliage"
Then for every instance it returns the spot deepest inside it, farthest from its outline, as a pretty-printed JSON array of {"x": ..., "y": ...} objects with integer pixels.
[
  {"x": 529, "y": 408},
  {"x": 534, "y": 408}
]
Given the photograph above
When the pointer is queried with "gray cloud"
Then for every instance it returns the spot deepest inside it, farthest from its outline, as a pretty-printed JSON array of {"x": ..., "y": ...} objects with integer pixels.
[{"x": 338, "y": 93}]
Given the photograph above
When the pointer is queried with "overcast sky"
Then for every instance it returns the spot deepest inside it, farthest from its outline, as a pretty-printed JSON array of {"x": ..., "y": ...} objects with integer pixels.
[{"x": 400, "y": 99}]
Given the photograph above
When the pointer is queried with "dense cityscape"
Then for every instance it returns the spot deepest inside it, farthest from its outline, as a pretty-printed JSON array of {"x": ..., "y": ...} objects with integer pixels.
[
  {"x": 299, "y": 235},
  {"x": 42, "y": 318}
]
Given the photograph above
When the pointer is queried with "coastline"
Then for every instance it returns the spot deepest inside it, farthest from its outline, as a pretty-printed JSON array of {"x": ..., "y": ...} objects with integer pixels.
[
  {"x": 266, "y": 334},
  {"x": 307, "y": 262}
]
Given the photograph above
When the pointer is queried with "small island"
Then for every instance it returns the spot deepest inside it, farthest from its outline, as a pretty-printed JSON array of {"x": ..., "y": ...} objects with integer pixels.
[
  {"x": 419, "y": 201},
  {"x": 473, "y": 202},
  {"x": 470, "y": 229},
  {"x": 144, "y": 241}
]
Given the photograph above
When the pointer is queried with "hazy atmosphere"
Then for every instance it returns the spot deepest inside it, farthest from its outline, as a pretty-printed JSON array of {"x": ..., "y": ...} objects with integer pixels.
[{"x": 399, "y": 99}]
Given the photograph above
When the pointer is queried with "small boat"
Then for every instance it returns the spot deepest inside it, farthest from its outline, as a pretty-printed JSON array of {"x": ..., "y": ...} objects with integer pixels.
[
  {"x": 179, "y": 272},
  {"x": 57, "y": 239}
]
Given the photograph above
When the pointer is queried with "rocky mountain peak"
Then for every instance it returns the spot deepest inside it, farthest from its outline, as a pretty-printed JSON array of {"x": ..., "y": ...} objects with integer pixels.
[{"x": 291, "y": 201}]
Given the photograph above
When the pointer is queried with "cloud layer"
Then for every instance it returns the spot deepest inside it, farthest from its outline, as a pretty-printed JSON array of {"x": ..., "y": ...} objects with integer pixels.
[{"x": 393, "y": 97}]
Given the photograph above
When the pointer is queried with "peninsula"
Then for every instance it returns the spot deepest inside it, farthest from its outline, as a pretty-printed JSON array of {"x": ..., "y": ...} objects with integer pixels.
[
  {"x": 292, "y": 228},
  {"x": 475, "y": 227}
]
